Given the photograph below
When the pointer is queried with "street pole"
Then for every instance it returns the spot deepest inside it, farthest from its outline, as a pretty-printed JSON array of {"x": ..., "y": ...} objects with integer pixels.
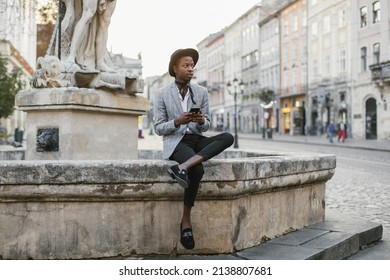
[
  {"x": 235, "y": 121},
  {"x": 232, "y": 88},
  {"x": 59, "y": 28}
]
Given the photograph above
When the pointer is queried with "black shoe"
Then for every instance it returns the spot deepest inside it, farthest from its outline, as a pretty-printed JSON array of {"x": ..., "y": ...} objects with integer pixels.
[
  {"x": 187, "y": 238},
  {"x": 179, "y": 175}
]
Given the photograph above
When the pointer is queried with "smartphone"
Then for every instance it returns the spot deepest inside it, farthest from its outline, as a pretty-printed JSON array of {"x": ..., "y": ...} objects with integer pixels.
[{"x": 195, "y": 110}]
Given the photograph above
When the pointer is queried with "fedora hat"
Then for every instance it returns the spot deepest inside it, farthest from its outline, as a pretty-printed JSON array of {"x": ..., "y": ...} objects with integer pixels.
[{"x": 180, "y": 53}]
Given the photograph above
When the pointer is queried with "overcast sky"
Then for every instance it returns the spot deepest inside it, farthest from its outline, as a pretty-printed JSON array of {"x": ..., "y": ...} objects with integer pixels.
[{"x": 156, "y": 28}]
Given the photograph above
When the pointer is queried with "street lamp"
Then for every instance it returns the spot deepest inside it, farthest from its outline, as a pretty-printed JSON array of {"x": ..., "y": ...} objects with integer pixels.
[{"x": 232, "y": 88}]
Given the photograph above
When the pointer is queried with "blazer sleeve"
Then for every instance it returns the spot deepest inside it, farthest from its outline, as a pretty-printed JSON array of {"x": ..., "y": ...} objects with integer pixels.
[{"x": 162, "y": 124}]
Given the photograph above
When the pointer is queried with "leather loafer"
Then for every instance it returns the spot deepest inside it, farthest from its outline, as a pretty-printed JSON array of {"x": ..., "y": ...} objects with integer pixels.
[
  {"x": 179, "y": 175},
  {"x": 187, "y": 238}
]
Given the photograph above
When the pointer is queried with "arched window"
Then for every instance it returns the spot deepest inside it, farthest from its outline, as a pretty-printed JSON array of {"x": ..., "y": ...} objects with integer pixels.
[
  {"x": 363, "y": 16},
  {"x": 376, "y": 12},
  {"x": 371, "y": 124}
]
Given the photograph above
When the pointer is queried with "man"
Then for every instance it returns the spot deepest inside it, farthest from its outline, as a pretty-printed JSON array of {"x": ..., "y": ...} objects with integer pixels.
[
  {"x": 341, "y": 132},
  {"x": 182, "y": 131},
  {"x": 331, "y": 130}
]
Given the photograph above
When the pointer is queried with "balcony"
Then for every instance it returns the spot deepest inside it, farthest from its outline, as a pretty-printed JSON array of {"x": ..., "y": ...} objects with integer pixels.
[{"x": 380, "y": 72}]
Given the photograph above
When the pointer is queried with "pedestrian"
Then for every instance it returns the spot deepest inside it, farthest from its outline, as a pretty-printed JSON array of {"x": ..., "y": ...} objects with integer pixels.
[
  {"x": 181, "y": 111},
  {"x": 341, "y": 132},
  {"x": 331, "y": 130}
]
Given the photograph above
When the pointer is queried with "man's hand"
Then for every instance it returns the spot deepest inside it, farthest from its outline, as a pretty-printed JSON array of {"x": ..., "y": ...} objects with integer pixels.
[
  {"x": 184, "y": 118},
  {"x": 197, "y": 117}
]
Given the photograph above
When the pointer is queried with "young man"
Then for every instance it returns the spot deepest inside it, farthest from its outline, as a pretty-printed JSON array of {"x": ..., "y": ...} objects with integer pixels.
[
  {"x": 331, "y": 129},
  {"x": 182, "y": 130}
]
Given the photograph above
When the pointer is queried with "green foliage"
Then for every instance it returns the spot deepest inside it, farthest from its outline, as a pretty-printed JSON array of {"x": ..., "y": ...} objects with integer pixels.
[
  {"x": 10, "y": 84},
  {"x": 266, "y": 95},
  {"x": 47, "y": 11}
]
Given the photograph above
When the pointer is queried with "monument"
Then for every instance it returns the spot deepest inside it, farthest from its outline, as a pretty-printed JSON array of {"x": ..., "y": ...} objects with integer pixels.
[{"x": 80, "y": 107}]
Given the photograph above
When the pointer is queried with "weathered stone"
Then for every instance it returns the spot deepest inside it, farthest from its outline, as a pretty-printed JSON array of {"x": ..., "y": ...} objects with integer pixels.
[
  {"x": 92, "y": 209},
  {"x": 92, "y": 124}
]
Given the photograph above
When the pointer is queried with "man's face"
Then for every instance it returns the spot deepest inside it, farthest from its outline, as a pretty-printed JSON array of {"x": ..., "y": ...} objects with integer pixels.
[{"x": 184, "y": 69}]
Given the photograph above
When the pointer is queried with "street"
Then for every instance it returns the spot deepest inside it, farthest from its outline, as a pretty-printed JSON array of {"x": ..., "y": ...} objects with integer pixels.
[{"x": 360, "y": 186}]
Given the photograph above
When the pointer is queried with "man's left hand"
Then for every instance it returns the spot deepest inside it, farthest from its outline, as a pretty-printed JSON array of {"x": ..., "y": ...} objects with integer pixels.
[{"x": 197, "y": 117}]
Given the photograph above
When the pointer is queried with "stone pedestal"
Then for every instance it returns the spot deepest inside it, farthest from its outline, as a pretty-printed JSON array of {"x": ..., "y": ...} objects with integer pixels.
[{"x": 81, "y": 123}]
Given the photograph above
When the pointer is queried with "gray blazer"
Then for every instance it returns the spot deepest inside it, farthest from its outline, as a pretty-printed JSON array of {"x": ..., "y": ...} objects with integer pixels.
[{"x": 167, "y": 107}]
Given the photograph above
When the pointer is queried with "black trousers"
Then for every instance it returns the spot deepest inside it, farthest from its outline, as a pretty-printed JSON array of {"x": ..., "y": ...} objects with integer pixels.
[{"x": 207, "y": 147}]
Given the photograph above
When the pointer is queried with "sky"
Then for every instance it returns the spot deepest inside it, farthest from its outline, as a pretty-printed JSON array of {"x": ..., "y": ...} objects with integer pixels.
[{"x": 156, "y": 28}]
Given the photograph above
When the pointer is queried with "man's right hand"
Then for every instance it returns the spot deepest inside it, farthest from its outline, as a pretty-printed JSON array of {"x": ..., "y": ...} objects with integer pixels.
[{"x": 184, "y": 118}]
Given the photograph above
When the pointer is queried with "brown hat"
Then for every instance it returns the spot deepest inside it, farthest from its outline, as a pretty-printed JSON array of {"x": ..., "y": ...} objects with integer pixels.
[{"x": 180, "y": 53}]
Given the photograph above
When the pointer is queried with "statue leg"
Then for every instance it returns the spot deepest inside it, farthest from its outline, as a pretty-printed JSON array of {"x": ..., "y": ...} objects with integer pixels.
[
  {"x": 102, "y": 36},
  {"x": 89, "y": 10}
]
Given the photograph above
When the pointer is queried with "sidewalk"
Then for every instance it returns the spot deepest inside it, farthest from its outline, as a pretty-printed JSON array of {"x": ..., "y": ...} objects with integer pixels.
[
  {"x": 155, "y": 142},
  {"x": 377, "y": 145}
]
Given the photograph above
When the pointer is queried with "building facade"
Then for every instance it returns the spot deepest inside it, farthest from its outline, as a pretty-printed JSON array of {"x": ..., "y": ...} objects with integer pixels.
[
  {"x": 293, "y": 68},
  {"x": 370, "y": 69},
  {"x": 329, "y": 59},
  {"x": 249, "y": 108}
]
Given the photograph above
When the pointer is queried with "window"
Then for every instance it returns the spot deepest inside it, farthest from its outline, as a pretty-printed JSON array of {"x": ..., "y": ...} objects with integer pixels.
[
  {"x": 363, "y": 59},
  {"x": 286, "y": 27},
  {"x": 363, "y": 16},
  {"x": 315, "y": 68},
  {"x": 295, "y": 23},
  {"x": 326, "y": 25},
  {"x": 342, "y": 18},
  {"x": 327, "y": 64},
  {"x": 376, "y": 12},
  {"x": 304, "y": 18},
  {"x": 376, "y": 53},
  {"x": 342, "y": 61},
  {"x": 314, "y": 29}
]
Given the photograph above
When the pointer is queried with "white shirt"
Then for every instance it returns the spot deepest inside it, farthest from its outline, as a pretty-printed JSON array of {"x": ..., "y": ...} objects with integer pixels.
[{"x": 184, "y": 101}]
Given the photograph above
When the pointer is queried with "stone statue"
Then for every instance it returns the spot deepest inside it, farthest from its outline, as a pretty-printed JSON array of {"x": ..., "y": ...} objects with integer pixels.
[
  {"x": 49, "y": 73},
  {"x": 84, "y": 58},
  {"x": 86, "y": 25}
]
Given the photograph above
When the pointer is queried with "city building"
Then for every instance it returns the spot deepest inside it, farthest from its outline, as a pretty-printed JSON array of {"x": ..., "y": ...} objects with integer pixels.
[
  {"x": 293, "y": 68},
  {"x": 329, "y": 45},
  {"x": 215, "y": 79},
  {"x": 249, "y": 108},
  {"x": 232, "y": 60},
  {"x": 370, "y": 69},
  {"x": 317, "y": 61},
  {"x": 18, "y": 46},
  {"x": 270, "y": 66}
]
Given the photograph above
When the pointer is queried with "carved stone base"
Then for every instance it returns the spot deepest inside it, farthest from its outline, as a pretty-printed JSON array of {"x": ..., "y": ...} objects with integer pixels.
[{"x": 92, "y": 124}]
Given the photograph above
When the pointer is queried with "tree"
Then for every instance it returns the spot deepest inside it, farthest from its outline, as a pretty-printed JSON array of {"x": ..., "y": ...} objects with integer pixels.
[
  {"x": 47, "y": 12},
  {"x": 10, "y": 84}
]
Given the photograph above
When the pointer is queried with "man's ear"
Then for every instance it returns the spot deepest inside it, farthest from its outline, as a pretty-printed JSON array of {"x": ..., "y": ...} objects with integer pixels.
[{"x": 175, "y": 69}]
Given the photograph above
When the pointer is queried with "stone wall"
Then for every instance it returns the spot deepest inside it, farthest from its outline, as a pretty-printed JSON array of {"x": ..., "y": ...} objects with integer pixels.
[{"x": 95, "y": 209}]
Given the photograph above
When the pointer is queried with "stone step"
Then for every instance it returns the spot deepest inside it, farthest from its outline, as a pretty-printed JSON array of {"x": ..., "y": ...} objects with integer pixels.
[{"x": 338, "y": 237}]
